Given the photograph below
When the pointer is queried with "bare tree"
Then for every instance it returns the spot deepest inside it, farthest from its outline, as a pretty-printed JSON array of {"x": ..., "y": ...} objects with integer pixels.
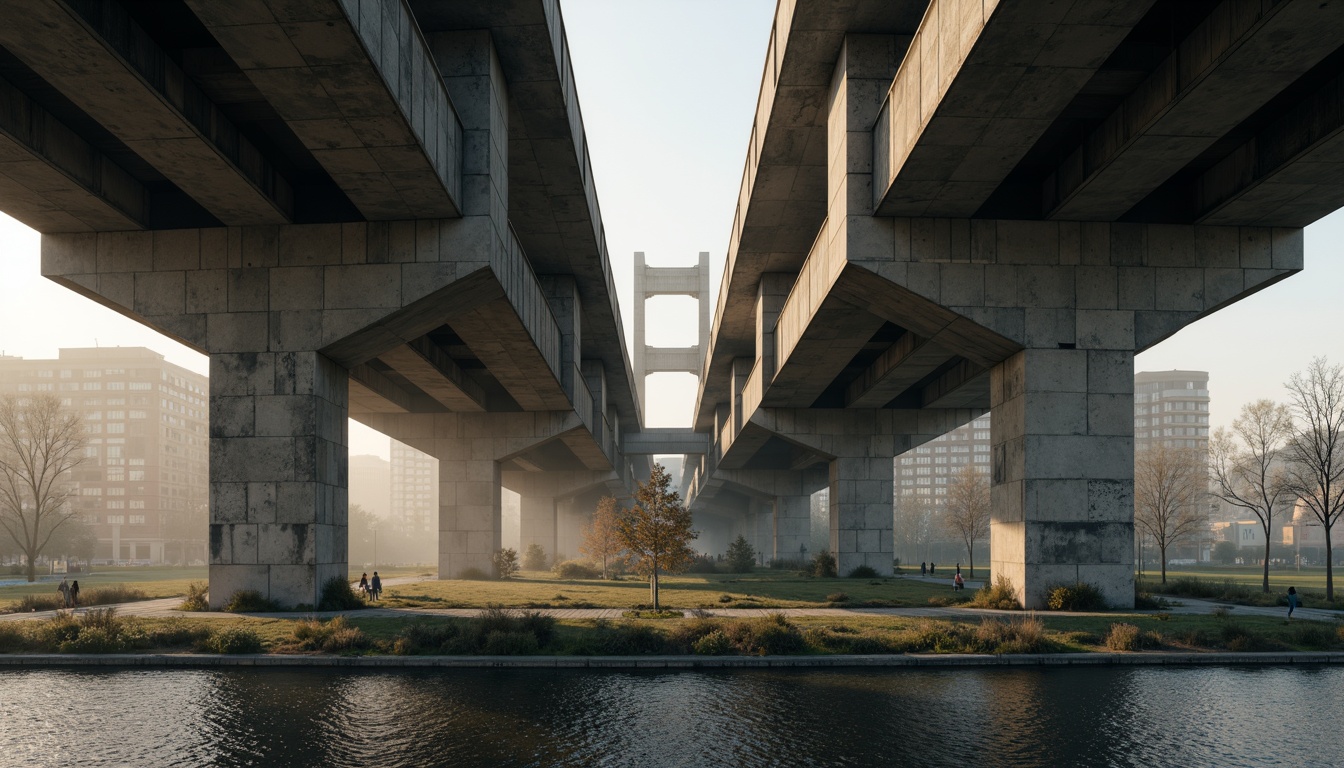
[
  {"x": 1315, "y": 452},
  {"x": 40, "y": 442},
  {"x": 914, "y": 525},
  {"x": 601, "y": 536},
  {"x": 657, "y": 531},
  {"x": 967, "y": 508},
  {"x": 1169, "y": 484},
  {"x": 1242, "y": 464}
]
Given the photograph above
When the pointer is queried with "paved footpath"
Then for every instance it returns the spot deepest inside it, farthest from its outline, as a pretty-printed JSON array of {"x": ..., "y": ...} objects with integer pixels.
[{"x": 168, "y": 607}]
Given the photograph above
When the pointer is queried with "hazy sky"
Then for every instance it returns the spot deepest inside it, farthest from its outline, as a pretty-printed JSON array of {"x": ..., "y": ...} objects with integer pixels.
[{"x": 668, "y": 92}]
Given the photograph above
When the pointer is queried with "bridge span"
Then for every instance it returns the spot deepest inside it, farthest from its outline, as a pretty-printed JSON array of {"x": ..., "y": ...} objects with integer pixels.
[
  {"x": 955, "y": 207},
  {"x": 384, "y": 210}
]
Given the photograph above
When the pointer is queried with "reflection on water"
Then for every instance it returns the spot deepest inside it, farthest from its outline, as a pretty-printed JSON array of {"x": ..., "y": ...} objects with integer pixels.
[{"x": 1051, "y": 717}]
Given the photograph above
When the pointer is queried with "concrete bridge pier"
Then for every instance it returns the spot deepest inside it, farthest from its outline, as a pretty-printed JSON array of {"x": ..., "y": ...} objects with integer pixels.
[
  {"x": 278, "y": 474},
  {"x": 793, "y": 526},
  {"x": 860, "y": 509}
]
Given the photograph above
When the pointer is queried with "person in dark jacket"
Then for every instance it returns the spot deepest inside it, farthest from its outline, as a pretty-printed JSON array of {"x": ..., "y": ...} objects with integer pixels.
[
  {"x": 74, "y": 594},
  {"x": 1292, "y": 601},
  {"x": 376, "y": 585}
]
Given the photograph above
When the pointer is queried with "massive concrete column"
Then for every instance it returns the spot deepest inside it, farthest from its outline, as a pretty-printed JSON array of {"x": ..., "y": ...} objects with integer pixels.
[
  {"x": 861, "y": 521},
  {"x": 793, "y": 526},
  {"x": 278, "y": 475},
  {"x": 1062, "y": 438},
  {"x": 469, "y": 514},
  {"x": 538, "y": 524}
]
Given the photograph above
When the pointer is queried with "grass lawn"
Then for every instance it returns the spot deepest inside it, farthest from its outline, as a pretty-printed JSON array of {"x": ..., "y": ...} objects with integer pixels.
[
  {"x": 1280, "y": 579},
  {"x": 761, "y": 589},
  {"x": 155, "y": 580}
]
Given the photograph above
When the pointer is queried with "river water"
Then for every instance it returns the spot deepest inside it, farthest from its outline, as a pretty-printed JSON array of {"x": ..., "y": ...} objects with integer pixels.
[{"x": 969, "y": 717}]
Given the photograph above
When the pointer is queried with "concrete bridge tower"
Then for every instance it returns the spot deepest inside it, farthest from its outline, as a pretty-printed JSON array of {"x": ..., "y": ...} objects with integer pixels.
[{"x": 669, "y": 281}]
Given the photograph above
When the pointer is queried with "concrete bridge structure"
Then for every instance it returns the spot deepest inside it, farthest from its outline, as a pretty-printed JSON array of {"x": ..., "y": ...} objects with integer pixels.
[
  {"x": 384, "y": 210},
  {"x": 962, "y": 206}
]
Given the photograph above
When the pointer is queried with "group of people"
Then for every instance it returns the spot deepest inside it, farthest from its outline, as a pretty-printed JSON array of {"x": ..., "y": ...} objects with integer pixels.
[
  {"x": 931, "y": 569},
  {"x": 370, "y": 588},
  {"x": 69, "y": 593}
]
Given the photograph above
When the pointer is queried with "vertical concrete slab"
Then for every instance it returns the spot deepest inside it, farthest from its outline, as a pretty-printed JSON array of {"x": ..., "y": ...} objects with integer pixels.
[
  {"x": 793, "y": 526},
  {"x": 537, "y": 524},
  {"x": 1062, "y": 485},
  {"x": 470, "y": 502},
  {"x": 278, "y": 475},
  {"x": 860, "y": 509}
]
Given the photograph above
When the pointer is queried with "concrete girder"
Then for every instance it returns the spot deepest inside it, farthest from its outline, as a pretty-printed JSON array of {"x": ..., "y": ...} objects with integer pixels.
[
  {"x": 372, "y": 392},
  {"x": 435, "y": 374},
  {"x": 1231, "y": 65},
  {"x": 1292, "y": 172},
  {"x": 360, "y": 89},
  {"x": 977, "y": 87},
  {"x": 902, "y": 365},
  {"x": 54, "y": 181},
  {"x": 109, "y": 67}
]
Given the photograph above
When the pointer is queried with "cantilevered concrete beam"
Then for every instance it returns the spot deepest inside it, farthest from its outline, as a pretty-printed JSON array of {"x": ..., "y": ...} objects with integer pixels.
[
  {"x": 372, "y": 392},
  {"x": 649, "y": 442},
  {"x": 54, "y": 181},
  {"x": 435, "y": 373},
  {"x": 900, "y": 367},
  {"x": 361, "y": 92},
  {"x": 105, "y": 64},
  {"x": 1292, "y": 171},
  {"x": 978, "y": 86},
  {"x": 1231, "y": 65}
]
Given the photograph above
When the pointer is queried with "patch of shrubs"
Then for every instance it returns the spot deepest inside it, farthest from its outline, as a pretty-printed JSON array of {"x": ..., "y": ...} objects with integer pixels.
[
  {"x": 338, "y": 596},
  {"x": 198, "y": 597},
  {"x": 505, "y": 562},
  {"x": 473, "y": 574},
  {"x": 1000, "y": 595},
  {"x": 335, "y": 636},
  {"x": 863, "y": 572},
  {"x": 741, "y": 557},
  {"x": 1074, "y": 597},
  {"x": 1123, "y": 636},
  {"x": 99, "y": 596},
  {"x": 251, "y": 601},
  {"x": 576, "y": 569},
  {"x": 496, "y": 631},
  {"x": 231, "y": 640},
  {"x": 535, "y": 559},
  {"x": 823, "y": 566},
  {"x": 702, "y": 564},
  {"x": 837, "y": 597}
]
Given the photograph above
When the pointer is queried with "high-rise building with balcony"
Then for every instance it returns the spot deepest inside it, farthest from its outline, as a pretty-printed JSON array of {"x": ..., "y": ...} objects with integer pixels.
[{"x": 1171, "y": 408}]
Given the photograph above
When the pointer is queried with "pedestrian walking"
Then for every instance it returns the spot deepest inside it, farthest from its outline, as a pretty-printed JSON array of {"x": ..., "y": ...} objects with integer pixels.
[
  {"x": 364, "y": 584},
  {"x": 932, "y": 568},
  {"x": 64, "y": 589},
  {"x": 1292, "y": 601},
  {"x": 74, "y": 594},
  {"x": 958, "y": 569},
  {"x": 376, "y": 585},
  {"x": 923, "y": 568},
  {"x": 958, "y": 583}
]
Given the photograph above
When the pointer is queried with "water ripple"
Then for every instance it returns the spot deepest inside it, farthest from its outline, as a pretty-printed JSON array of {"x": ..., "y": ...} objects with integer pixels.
[{"x": 506, "y": 718}]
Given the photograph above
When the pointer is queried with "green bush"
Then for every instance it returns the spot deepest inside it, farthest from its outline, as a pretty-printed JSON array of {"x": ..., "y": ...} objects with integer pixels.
[
  {"x": 1000, "y": 595},
  {"x": 823, "y": 565},
  {"x": 198, "y": 597},
  {"x": 505, "y": 562},
  {"x": 330, "y": 636},
  {"x": 863, "y": 572},
  {"x": 1074, "y": 597},
  {"x": 1124, "y": 637},
  {"x": 473, "y": 574},
  {"x": 338, "y": 596},
  {"x": 702, "y": 564},
  {"x": 534, "y": 559},
  {"x": 576, "y": 569},
  {"x": 716, "y": 643},
  {"x": 1020, "y": 635},
  {"x": 111, "y": 595},
  {"x": 771, "y": 635},
  {"x": 741, "y": 557},
  {"x": 626, "y": 640},
  {"x": 14, "y": 637},
  {"x": 231, "y": 640},
  {"x": 175, "y": 633},
  {"x": 250, "y": 601},
  {"x": 30, "y": 603}
]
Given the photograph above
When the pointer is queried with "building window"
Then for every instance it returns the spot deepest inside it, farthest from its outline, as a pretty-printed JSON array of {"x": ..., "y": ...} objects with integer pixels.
[
  {"x": 137, "y": 519},
  {"x": 116, "y": 519}
]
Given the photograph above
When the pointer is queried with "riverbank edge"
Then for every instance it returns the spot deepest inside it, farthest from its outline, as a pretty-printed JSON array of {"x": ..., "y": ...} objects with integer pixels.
[{"x": 42, "y": 660}]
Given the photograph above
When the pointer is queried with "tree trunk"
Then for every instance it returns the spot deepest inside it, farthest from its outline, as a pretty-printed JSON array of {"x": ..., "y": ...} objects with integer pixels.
[
  {"x": 1162, "y": 551},
  {"x": 653, "y": 588},
  {"x": 971, "y": 558},
  {"x": 604, "y": 567},
  {"x": 1265, "y": 580},
  {"x": 32, "y": 566},
  {"x": 1329, "y": 567}
]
